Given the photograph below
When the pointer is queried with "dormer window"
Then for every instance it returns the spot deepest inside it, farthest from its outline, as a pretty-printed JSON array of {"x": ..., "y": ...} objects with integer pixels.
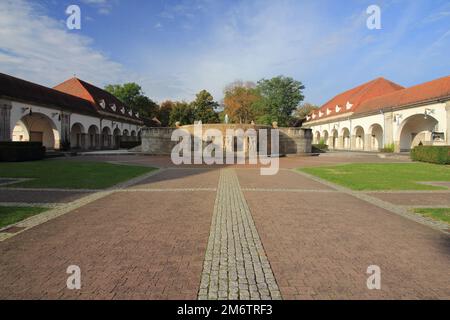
[
  {"x": 313, "y": 115},
  {"x": 320, "y": 114},
  {"x": 113, "y": 107},
  {"x": 130, "y": 113},
  {"x": 102, "y": 104},
  {"x": 122, "y": 110},
  {"x": 338, "y": 109},
  {"x": 307, "y": 118},
  {"x": 137, "y": 114},
  {"x": 349, "y": 105},
  {"x": 328, "y": 111}
]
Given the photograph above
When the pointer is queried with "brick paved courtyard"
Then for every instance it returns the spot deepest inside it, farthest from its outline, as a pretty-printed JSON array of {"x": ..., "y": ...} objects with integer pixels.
[{"x": 228, "y": 233}]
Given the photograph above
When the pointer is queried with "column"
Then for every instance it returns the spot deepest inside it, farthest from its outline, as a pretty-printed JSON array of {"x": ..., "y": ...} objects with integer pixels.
[
  {"x": 447, "y": 134},
  {"x": 5, "y": 120},
  {"x": 388, "y": 131},
  {"x": 65, "y": 131}
]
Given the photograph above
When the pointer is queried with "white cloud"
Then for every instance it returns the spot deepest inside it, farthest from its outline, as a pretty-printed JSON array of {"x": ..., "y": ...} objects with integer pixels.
[
  {"x": 104, "y": 7},
  {"x": 40, "y": 49}
]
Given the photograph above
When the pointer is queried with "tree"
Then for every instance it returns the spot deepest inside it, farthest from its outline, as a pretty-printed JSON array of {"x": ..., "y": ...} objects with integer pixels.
[
  {"x": 164, "y": 112},
  {"x": 239, "y": 101},
  {"x": 304, "y": 109},
  {"x": 204, "y": 107},
  {"x": 181, "y": 112},
  {"x": 131, "y": 94},
  {"x": 280, "y": 97}
]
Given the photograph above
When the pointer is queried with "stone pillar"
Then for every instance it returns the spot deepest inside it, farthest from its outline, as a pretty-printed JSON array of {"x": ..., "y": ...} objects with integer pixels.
[
  {"x": 368, "y": 142},
  {"x": 5, "y": 120},
  {"x": 447, "y": 109},
  {"x": 388, "y": 131},
  {"x": 65, "y": 130}
]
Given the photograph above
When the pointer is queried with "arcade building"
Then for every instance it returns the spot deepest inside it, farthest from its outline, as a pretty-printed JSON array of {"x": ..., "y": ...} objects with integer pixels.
[
  {"x": 381, "y": 114},
  {"x": 73, "y": 114}
]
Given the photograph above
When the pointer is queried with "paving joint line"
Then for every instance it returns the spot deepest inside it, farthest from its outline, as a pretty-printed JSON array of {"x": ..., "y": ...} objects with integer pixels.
[
  {"x": 396, "y": 209},
  {"x": 46, "y": 216}
]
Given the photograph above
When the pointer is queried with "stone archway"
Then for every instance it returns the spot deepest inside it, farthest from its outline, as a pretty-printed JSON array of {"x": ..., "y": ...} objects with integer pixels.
[
  {"x": 376, "y": 137},
  {"x": 92, "y": 140},
  {"x": 317, "y": 137},
  {"x": 416, "y": 130},
  {"x": 37, "y": 127},
  {"x": 106, "y": 137},
  {"x": 117, "y": 136},
  {"x": 358, "y": 138},
  {"x": 345, "y": 138},
  {"x": 334, "y": 139},
  {"x": 77, "y": 136},
  {"x": 325, "y": 137}
]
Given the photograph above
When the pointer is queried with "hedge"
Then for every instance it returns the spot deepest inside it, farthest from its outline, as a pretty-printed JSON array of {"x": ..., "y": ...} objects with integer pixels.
[
  {"x": 129, "y": 144},
  {"x": 319, "y": 148},
  {"x": 432, "y": 154},
  {"x": 21, "y": 151}
]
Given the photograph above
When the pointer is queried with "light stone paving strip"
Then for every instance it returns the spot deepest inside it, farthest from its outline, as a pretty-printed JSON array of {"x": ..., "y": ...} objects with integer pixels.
[{"x": 236, "y": 266}]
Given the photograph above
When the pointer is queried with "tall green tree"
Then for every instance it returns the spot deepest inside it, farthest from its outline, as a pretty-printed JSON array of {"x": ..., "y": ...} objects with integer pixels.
[
  {"x": 181, "y": 112},
  {"x": 280, "y": 97},
  {"x": 204, "y": 108},
  {"x": 131, "y": 94}
]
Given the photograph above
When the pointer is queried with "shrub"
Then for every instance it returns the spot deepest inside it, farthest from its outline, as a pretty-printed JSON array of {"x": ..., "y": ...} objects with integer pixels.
[
  {"x": 21, "y": 151},
  {"x": 319, "y": 148},
  {"x": 432, "y": 154},
  {"x": 389, "y": 148},
  {"x": 129, "y": 144}
]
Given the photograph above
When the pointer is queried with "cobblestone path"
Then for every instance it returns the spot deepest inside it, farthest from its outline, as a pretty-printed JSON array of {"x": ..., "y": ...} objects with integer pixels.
[{"x": 236, "y": 266}]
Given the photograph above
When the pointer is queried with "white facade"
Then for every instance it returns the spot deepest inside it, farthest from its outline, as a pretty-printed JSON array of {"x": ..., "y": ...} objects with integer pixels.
[
  {"x": 52, "y": 126},
  {"x": 401, "y": 128}
]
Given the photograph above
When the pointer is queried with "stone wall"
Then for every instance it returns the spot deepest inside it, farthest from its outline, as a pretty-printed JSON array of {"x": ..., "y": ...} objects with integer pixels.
[{"x": 293, "y": 141}]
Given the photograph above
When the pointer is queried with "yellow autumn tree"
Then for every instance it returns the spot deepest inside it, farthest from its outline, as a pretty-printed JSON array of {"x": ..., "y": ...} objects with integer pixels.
[{"x": 239, "y": 99}]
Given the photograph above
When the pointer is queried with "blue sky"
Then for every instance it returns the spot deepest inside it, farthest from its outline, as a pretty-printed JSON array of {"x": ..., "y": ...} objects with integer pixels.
[{"x": 176, "y": 48}]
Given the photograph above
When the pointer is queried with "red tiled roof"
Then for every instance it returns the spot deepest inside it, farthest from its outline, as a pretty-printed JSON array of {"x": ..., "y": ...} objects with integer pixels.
[
  {"x": 356, "y": 97},
  {"x": 29, "y": 92},
  {"x": 435, "y": 89},
  {"x": 96, "y": 96}
]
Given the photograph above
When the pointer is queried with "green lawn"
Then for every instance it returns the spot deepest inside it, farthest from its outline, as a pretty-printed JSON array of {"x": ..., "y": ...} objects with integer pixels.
[
  {"x": 383, "y": 176},
  {"x": 10, "y": 215},
  {"x": 66, "y": 174},
  {"x": 441, "y": 214}
]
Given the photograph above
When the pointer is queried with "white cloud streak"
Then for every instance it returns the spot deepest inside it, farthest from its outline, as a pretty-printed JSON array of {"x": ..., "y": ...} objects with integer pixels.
[{"x": 40, "y": 49}]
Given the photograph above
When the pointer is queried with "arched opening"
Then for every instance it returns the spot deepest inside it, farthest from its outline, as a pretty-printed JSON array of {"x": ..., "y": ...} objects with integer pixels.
[
  {"x": 416, "y": 130},
  {"x": 317, "y": 137},
  {"x": 106, "y": 137},
  {"x": 37, "y": 127},
  {"x": 93, "y": 142},
  {"x": 345, "y": 141},
  {"x": 125, "y": 135},
  {"x": 77, "y": 136},
  {"x": 116, "y": 135},
  {"x": 376, "y": 137},
  {"x": 358, "y": 133},
  {"x": 325, "y": 137},
  {"x": 334, "y": 139}
]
